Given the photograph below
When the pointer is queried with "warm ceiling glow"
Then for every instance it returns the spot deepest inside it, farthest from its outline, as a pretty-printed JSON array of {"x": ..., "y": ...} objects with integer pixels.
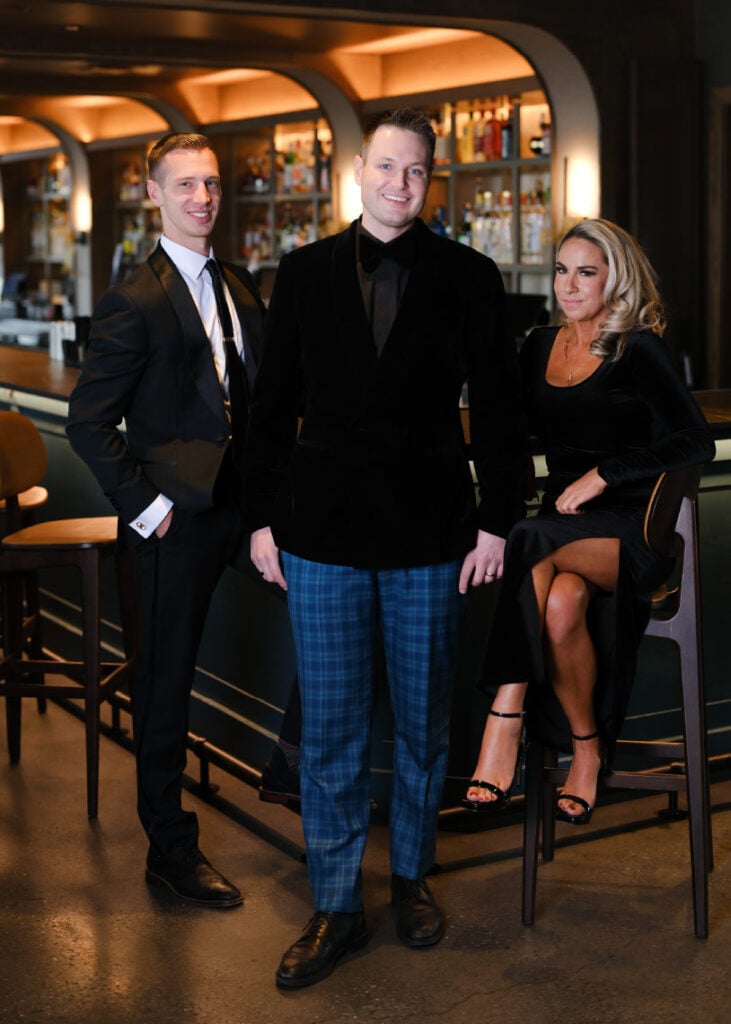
[
  {"x": 94, "y": 101},
  {"x": 229, "y": 77},
  {"x": 412, "y": 40}
]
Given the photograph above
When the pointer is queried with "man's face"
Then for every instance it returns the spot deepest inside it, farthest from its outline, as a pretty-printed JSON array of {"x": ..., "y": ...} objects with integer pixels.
[
  {"x": 188, "y": 193},
  {"x": 394, "y": 179}
]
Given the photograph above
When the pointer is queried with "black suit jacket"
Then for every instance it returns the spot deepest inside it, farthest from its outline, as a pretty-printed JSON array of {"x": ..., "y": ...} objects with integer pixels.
[
  {"x": 379, "y": 475},
  {"x": 150, "y": 364}
]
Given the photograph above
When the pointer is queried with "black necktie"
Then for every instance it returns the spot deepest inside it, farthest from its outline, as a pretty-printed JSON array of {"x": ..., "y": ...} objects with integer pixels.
[{"x": 237, "y": 385}]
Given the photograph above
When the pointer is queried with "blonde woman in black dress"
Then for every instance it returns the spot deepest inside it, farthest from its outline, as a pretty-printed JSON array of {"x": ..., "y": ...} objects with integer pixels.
[{"x": 612, "y": 414}]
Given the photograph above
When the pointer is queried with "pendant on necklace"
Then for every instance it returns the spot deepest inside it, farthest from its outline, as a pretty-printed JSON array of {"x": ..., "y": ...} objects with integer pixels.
[{"x": 570, "y": 377}]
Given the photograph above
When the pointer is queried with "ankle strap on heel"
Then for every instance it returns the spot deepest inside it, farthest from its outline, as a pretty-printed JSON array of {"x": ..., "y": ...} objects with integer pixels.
[
  {"x": 508, "y": 714},
  {"x": 590, "y": 736}
]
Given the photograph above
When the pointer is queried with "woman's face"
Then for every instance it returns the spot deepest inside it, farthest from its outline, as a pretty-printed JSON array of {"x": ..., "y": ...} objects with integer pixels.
[{"x": 581, "y": 274}]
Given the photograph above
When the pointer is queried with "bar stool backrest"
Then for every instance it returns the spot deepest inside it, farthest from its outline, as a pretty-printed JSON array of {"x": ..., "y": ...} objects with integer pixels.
[
  {"x": 663, "y": 508},
  {"x": 23, "y": 458}
]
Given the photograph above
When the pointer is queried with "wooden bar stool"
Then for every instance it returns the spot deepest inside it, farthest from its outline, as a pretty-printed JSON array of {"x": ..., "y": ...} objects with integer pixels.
[
  {"x": 671, "y": 529},
  {"x": 80, "y": 543},
  {"x": 28, "y": 501}
]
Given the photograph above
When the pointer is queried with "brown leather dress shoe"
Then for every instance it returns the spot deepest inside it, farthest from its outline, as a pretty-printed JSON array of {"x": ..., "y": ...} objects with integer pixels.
[
  {"x": 419, "y": 920},
  {"x": 329, "y": 935},
  {"x": 190, "y": 877}
]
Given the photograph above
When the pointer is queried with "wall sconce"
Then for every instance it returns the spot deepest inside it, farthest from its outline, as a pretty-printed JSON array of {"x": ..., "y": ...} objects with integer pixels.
[
  {"x": 81, "y": 214},
  {"x": 350, "y": 201},
  {"x": 581, "y": 194}
]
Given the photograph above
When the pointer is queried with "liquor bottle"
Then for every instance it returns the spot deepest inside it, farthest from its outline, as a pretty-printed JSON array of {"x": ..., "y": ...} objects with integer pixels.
[
  {"x": 465, "y": 140},
  {"x": 531, "y": 227},
  {"x": 442, "y": 129},
  {"x": 506, "y": 140},
  {"x": 324, "y": 169},
  {"x": 545, "y": 136},
  {"x": 478, "y": 136},
  {"x": 464, "y": 233},
  {"x": 439, "y": 223},
  {"x": 290, "y": 160},
  {"x": 503, "y": 248}
]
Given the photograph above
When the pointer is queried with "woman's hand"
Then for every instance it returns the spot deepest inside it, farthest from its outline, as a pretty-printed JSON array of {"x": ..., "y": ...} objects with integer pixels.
[
  {"x": 265, "y": 556},
  {"x": 484, "y": 563},
  {"x": 588, "y": 486}
]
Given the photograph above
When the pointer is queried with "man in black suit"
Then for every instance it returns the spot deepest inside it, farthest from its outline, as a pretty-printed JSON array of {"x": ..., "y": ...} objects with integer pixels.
[
  {"x": 174, "y": 359},
  {"x": 372, "y": 510}
]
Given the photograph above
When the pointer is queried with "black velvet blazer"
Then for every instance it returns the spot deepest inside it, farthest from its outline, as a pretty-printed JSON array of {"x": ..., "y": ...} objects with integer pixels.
[
  {"x": 379, "y": 475},
  {"x": 150, "y": 364}
]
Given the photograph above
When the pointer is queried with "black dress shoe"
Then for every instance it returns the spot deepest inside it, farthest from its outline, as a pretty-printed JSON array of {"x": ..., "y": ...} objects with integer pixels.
[
  {"x": 280, "y": 783},
  {"x": 190, "y": 877},
  {"x": 329, "y": 935},
  {"x": 419, "y": 920}
]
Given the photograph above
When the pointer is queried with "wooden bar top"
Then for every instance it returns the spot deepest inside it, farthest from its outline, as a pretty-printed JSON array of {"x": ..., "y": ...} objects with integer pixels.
[{"x": 34, "y": 372}]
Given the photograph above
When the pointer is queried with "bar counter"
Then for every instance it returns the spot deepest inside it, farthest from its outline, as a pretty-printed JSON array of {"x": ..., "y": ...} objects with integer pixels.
[{"x": 34, "y": 373}]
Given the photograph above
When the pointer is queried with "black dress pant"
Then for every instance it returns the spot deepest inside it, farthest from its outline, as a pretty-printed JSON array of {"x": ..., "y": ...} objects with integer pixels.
[{"x": 177, "y": 575}]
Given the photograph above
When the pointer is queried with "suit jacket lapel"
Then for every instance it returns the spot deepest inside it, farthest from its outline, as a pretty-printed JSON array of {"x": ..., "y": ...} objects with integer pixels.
[{"x": 195, "y": 342}]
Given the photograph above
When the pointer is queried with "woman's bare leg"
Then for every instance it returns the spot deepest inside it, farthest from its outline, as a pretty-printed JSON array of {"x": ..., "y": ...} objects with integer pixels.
[
  {"x": 592, "y": 563},
  {"x": 500, "y": 743},
  {"x": 582, "y": 567}
]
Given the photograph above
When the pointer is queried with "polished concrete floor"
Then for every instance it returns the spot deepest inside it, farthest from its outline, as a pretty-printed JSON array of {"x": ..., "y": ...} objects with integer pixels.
[{"x": 83, "y": 940}]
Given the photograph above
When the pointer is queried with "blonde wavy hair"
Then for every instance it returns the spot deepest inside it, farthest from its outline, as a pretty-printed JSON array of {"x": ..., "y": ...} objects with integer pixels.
[{"x": 630, "y": 294}]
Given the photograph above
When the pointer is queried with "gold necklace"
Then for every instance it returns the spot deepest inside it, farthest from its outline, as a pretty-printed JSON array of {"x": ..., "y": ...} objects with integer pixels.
[{"x": 570, "y": 375}]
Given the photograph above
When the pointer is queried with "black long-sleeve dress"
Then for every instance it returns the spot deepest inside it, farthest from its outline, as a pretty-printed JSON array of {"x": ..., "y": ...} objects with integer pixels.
[{"x": 632, "y": 419}]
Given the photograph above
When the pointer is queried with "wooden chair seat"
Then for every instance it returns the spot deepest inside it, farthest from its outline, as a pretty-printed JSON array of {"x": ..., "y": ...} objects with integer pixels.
[
  {"x": 65, "y": 533},
  {"x": 29, "y": 500}
]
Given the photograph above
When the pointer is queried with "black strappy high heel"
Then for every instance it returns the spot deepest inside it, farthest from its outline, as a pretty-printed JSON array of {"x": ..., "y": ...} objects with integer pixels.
[
  {"x": 585, "y": 816},
  {"x": 502, "y": 796}
]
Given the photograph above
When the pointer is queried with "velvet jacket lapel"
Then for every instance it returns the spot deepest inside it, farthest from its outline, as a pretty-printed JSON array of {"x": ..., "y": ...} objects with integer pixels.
[
  {"x": 354, "y": 329},
  {"x": 348, "y": 301},
  {"x": 196, "y": 345}
]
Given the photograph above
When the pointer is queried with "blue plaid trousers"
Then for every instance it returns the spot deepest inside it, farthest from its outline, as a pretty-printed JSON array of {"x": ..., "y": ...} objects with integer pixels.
[{"x": 335, "y": 612}]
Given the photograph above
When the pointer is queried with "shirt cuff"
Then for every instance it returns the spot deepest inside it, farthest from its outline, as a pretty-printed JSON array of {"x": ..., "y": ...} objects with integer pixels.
[{"x": 150, "y": 518}]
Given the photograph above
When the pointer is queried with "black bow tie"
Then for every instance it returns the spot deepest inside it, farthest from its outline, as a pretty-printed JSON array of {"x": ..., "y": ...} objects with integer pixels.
[{"x": 371, "y": 251}]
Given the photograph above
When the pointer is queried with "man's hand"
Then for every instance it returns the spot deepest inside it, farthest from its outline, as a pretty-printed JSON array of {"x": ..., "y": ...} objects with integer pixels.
[
  {"x": 164, "y": 525},
  {"x": 265, "y": 556},
  {"x": 484, "y": 563}
]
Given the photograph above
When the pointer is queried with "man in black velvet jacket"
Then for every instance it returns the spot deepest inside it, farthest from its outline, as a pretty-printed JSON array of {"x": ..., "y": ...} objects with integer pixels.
[{"x": 368, "y": 517}]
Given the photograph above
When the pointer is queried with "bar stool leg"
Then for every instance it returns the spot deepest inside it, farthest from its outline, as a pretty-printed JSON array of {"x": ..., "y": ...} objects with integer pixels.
[
  {"x": 697, "y": 781},
  {"x": 531, "y": 829},
  {"x": 13, "y": 641},
  {"x": 91, "y": 603}
]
